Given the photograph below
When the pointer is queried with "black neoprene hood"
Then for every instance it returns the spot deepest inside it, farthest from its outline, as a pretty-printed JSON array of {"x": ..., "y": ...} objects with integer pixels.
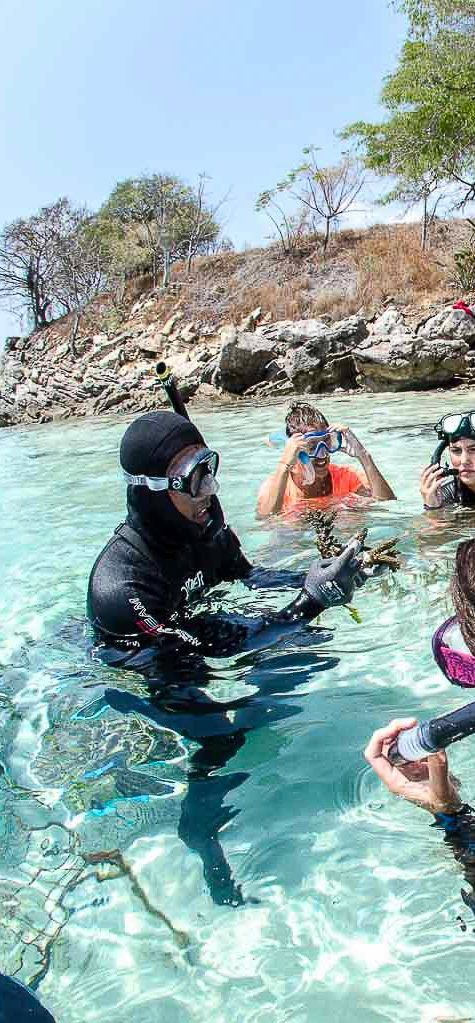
[
  {"x": 147, "y": 448},
  {"x": 152, "y": 440}
]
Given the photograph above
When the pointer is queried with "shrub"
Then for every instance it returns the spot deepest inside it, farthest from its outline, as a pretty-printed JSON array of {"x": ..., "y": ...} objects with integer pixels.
[{"x": 464, "y": 261}]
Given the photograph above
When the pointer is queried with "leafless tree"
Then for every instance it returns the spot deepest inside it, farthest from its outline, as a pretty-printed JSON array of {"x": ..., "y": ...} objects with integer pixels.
[
  {"x": 51, "y": 263},
  {"x": 203, "y": 225},
  {"x": 327, "y": 192},
  {"x": 289, "y": 227},
  {"x": 26, "y": 267}
]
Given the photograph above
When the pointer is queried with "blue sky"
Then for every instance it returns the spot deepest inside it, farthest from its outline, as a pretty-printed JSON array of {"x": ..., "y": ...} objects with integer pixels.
[{"x": 96, "y": 92}]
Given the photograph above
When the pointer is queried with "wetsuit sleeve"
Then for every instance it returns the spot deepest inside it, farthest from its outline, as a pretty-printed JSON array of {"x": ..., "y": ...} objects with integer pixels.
[
  {"x": 260, "y": 578},
  {"x": 459, "y": 831},
  {"x": 151, "y": 624},
  {"x": 221, "y": 635}
]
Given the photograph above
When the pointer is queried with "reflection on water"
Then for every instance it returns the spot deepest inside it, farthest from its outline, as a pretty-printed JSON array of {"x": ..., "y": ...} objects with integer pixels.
[{"x": 120, "y": 813}]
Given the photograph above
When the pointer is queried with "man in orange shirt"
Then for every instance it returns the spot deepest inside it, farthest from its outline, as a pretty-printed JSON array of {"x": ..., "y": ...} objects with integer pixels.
[{"x": 306, "y": 476}]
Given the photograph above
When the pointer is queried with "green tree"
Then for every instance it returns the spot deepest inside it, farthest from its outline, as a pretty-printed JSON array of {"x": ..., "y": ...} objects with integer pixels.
[
  {"x": 425, "y": 16},
  {"x": 166, "y": 218},
  {"x": 427, "y": 140}
]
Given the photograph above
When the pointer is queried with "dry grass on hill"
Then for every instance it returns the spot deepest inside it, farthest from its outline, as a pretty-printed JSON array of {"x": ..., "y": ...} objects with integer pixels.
[{"x": 362, "y": 270}]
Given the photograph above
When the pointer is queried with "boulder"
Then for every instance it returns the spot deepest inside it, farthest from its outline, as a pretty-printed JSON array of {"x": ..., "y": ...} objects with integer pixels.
[
  {"x": 111, "y": 359},
  {"x": 250, "y": 322},
  {"x": 324, "y": 358},
  {"x": 270, "y": 388},
  {"x": 148, "y": 348},
  {"x": 188, "y": 387},
  {"x": 209, "y": 373},
  {"x": 242, "y": 360},
  {"x": 449, "y": 323},
  {"x": 292, "y": 332},
  {"x": 274, "y": 372},
  {"x": 390, "y": 322},
  {"x": 208, "y": 392},
  {"x": 103, "y": 348},
  {"x": 7, "y": 417},
  {"x": 297, "y": 332},
  {"x": 149, "y": 339},
  {"x": 313, "y": 370},
  {"x": 189, "y": 334},
  {"x": 405, "y": 362},
  {"x": 109, "y": 400}
]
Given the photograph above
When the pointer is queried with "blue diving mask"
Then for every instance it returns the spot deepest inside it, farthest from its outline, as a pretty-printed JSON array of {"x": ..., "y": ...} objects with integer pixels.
[{"x": 327, "y": 442}]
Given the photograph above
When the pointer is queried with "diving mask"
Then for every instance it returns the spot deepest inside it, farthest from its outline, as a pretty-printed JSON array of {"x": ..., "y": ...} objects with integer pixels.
[
  {"x": 319, "y": 443},
  {"x": 197, "y": 477},
  {"x": 450, "y": 428},
  {"x": 322, "y": 442},
  {"x": 452, "y": 654},
  {"x": 456, "y": 424}
]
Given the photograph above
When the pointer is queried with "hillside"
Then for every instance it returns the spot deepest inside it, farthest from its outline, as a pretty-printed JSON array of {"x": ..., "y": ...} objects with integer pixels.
[{"x": 257, "y": 321}]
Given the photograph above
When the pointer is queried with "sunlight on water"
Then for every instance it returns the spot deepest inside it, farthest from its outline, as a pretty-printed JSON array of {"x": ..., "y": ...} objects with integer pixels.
[{"x": 352, "y": 905}]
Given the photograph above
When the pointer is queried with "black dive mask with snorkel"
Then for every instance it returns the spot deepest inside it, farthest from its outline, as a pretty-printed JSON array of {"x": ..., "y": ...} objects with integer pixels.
[{"x": 451, "y": 427}]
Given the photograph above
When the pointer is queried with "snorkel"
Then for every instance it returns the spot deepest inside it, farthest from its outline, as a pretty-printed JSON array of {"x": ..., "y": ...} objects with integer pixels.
[
  {"x": 430, "y": 736},
  {"x": 437, "y": 455},
  {"x": 171, "y": 390},
  {"x": 178, "y": 483}
]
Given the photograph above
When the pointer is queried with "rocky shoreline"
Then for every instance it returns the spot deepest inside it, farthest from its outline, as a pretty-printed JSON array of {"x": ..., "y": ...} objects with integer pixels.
[{"x": 53, "y": 375}]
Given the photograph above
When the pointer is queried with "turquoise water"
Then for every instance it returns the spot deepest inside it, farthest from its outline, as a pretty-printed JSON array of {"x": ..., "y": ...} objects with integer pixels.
[{"x": 352, "y": 899}]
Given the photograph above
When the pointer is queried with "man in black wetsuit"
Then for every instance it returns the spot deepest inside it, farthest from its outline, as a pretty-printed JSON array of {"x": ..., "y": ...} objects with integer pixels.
[
  {"x": 172, "y": 548},
  {"x": 175, "y": 545}
]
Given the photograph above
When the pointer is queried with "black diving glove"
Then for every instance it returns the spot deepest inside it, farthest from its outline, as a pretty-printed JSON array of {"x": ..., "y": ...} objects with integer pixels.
[{"x": 332, "y": 581}]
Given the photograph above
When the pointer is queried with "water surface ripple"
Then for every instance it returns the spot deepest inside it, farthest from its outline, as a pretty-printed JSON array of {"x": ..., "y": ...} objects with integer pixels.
[{"x": 352, "y": 903}]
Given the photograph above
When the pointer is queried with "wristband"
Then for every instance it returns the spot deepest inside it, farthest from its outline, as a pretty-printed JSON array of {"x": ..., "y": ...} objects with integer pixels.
[
  {"x": 304, "y": 606},
  {"x": 432, "y": 507},
  {"x": 287, "y": 466}
]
